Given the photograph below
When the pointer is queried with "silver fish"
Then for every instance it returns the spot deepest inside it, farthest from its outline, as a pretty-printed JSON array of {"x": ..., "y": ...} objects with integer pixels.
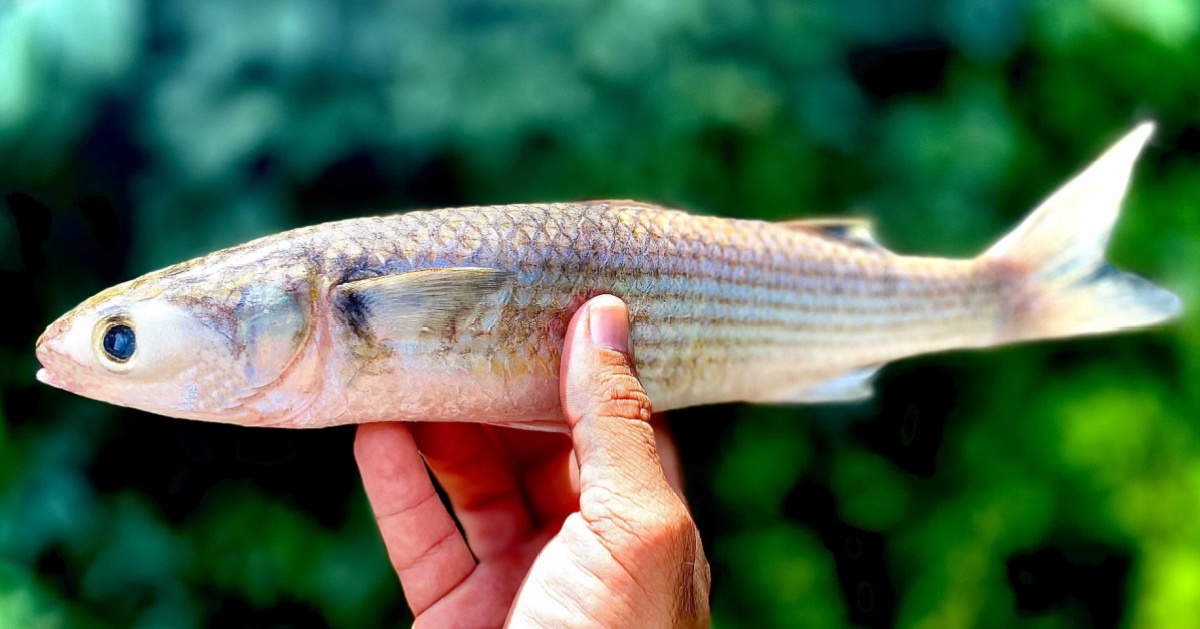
[{"x": 459, "y": 314}]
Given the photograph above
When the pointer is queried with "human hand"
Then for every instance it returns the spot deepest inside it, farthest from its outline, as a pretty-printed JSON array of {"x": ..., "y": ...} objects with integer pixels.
[{"x": 609, "y": 546}]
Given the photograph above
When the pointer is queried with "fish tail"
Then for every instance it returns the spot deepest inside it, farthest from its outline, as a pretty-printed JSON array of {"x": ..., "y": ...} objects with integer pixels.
[{"x": 1059, "y": 282}]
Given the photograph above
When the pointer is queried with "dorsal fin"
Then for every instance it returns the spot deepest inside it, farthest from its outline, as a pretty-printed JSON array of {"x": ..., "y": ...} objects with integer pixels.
[
  {"x": 853, "y": 230},
  {"x": 417, "y": 305}
]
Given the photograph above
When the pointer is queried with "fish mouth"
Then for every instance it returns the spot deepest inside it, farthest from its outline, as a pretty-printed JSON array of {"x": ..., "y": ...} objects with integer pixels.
[
  {"x": 44, "y": 377},
  {"x": 43, "y": 374},
  {"x": 44, "y": 351}
]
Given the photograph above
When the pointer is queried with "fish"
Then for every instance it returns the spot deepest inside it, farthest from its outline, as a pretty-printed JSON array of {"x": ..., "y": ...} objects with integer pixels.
[{"x": 460, "y": 314}]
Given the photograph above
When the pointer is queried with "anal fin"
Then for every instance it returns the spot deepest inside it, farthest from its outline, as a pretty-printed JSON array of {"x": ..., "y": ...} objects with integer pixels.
[
  {"x": 851, "y": 386},
  {"x": 540, "y": 425}
]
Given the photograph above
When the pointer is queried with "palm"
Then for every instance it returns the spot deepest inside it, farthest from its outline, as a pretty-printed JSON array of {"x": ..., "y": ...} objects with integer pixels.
[{"x": 510, "y": 489}]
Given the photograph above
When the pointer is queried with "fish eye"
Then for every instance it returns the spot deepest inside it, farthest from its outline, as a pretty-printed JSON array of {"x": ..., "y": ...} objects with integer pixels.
[
  {"x": 118, "y": 341},
  {"x": 146, "y": 342}
]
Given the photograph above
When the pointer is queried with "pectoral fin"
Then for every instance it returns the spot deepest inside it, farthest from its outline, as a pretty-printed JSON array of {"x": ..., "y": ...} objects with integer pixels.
[
  {"x": 851, "y": 386},
  {"x": 417, "y": 305}
]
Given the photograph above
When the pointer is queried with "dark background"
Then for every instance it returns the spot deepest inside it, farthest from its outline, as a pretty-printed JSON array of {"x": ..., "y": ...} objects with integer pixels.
[{"x": 1048, "y": 485}]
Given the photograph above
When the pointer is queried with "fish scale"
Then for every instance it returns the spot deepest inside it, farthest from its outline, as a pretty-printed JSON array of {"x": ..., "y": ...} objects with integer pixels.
[
  {"x": 460, "y": 314},
  {"x": 756, "y": 294}
]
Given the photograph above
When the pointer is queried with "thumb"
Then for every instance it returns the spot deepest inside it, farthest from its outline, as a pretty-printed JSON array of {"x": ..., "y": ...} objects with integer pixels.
[
  {"x": 608, "y": 410},
  {"x": 649, "y": 551}
]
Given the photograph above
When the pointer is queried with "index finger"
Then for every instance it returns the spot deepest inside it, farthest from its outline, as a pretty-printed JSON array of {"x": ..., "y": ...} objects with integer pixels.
[{"x": 424, "y": 545}]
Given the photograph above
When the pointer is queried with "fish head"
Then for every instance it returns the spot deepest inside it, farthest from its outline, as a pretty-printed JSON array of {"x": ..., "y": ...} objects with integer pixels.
[{"x": 200, "y": 340}]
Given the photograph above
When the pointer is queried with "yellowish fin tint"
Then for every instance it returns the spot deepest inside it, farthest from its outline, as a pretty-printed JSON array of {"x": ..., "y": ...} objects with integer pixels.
[{"x": 1068, "y": 288}]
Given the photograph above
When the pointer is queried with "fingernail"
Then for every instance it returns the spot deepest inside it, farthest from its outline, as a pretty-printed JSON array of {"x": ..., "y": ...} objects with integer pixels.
[{"x": 609, "y": 321}]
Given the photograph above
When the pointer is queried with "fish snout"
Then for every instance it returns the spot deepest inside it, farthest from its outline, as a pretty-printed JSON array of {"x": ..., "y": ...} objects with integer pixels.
[{"x": 51, "y": 354}]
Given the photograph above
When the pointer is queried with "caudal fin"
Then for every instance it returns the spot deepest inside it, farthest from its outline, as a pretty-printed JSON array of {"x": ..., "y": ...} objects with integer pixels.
[{"x": 1065, "y": 287}]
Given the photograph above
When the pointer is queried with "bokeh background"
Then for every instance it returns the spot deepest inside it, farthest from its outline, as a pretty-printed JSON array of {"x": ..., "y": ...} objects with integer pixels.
[{"x": 1050, "y": 485}]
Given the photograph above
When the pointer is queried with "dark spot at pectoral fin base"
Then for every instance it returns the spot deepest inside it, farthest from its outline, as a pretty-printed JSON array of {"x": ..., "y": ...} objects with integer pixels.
[
  {"x": 417, "y": 305},
  {"x": 851, "y": 386},
  {"x": 851, "y": 230}
]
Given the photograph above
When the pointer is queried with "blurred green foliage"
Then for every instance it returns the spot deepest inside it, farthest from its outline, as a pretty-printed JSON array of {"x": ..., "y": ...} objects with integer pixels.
[{"x": 1053, "y": 485}]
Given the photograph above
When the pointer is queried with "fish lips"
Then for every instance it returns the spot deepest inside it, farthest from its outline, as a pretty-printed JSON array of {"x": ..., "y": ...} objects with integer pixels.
[{"x": 43, "y": 376}]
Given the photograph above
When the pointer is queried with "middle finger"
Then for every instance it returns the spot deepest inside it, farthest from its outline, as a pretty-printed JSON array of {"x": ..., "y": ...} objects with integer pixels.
[{"x": 480, "y": 480}]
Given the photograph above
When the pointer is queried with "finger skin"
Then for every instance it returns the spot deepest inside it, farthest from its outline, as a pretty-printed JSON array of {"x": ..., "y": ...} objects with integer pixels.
[
  {"x": 548, "y": 473},
  {"x": 627, "y": 552},
  {"x": 607, "y": 409},
  {"x": 609, "y": 413},
  {"x": 631, "y": 556},
  {"x": 668, "y": 454},
  {"x": 481, "y": 482},
  {"x": 429, "y": 554}
]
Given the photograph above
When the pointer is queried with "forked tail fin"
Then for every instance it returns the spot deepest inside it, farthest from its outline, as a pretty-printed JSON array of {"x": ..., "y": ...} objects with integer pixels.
[{"x": 1063, "y": 285}]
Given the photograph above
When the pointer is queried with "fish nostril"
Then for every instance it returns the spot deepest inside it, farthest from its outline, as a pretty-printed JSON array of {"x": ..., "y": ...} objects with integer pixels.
[{"x": 50, "y": 340}]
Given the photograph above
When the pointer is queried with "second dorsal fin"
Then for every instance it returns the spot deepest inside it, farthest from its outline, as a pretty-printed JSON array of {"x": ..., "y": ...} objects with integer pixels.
[{"x": 852, "y": 230}]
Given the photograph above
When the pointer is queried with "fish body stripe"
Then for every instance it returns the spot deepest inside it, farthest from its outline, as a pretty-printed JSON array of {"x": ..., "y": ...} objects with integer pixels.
[{"x": 708, "y": 296}]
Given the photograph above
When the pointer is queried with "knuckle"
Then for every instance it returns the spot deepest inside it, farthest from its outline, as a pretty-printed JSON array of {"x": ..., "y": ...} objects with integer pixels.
[
  {"x": 620, "y": 394},
  {"x": 665, "y": 524},
  {"x": 610, "y": 515},
  {"x": 678, "y": 530},
  {"x": 660, "y": 550},
  {"x": 408, "y": 561}
]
